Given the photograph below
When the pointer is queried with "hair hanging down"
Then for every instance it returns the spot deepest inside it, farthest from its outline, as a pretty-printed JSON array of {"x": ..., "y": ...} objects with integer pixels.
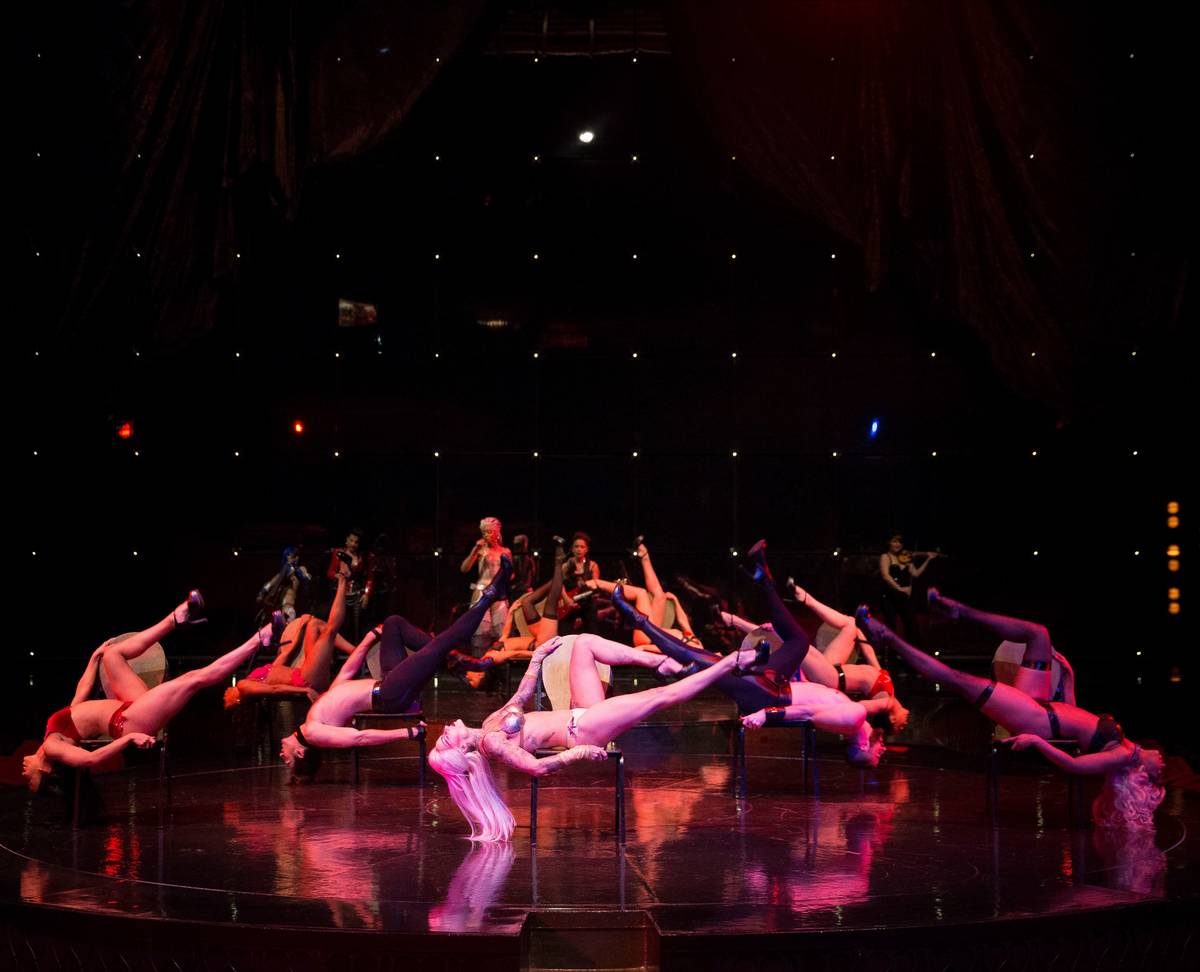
[
  {"x": 1128, "y": 799},
  {"x": 474, "y": 792}
]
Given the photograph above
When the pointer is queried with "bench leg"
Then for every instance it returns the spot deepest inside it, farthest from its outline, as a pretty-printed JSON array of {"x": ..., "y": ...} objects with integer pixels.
[
  {"x": 423, "y": 754},
  {"x": 739, "y": 761},
  {"x": 620, "y": 801},
  {"x": 533, "y": 809}
]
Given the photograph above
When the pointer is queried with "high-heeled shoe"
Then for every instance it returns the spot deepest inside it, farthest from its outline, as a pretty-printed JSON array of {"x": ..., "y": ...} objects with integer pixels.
[
  {"x": 632, "y": 616},
  {"x": 638, "y": 541},
  {"x": 459, "y": 662},
  {"x": 876, "y": 632},
  {"x": 762, "y": 652},
  {"x": 756, "y": 556},
  {"x": 193, "y": 610},
  {"x": 942, "y": 605}
]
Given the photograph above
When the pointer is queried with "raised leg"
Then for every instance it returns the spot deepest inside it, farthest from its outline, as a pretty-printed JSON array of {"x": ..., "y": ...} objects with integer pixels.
[
  {"x": 404, "y": 682},
  {"x": 399, "y": 637},
  {"x": 586, "y": 687},
  {"x": 158, "y": 705},
  {"x": 1034, "y": 676},
  {"x": 123, "y": 681}
]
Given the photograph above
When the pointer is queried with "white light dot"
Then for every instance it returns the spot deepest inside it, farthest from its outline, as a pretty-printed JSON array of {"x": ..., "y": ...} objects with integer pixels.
[
  {"x": 336, "y": 454},
  {"x": 587, "y": 136},
  {"x": 437, "y": 553},
  {"x": 37, "y": 253},
  {"x": 437, "y": 158},
  {"x": 733, "y": 60},
  {"x": 633, "y": 158},
  {"x": 1131, "y": 155},
  {"x": 833, "y": 354},
  {"x": 1034, "y": 452},
  {"x": 337, "y": 256},
  {"x": 237, "y": 354},
  {"x": 1032, "y": 254},
  {"x": 436, "y": 454},
  {"x": 537, "y": 158},
  {"x": 34, "y": 553},
  {"x": 837, "y": 551},
  {"x": 1033, "y": 354},
  {"x": 139, "y": 155},
  {"x": 535, "y": 256},
  {"x": 1035, "y": 553},
  {"x": 437, "y": 60},
  {"x": 733, "y": 354},
  {"x": 1133, "y": 253},
  {"x": 236, "y": 454},
  {"x": 436, "y": 354},
  {"x": 31, "y": 654},
  {"x": 1137, "y": 553},
  {"x": 1031, "y": 155},
  {"x": 535, "y": 354},
  {"x": 535, "y": 455},
  {"x": 832, "y": 158},
  {"x": 832, "y": 256},
  {"x": 1135, "y": 452},
  {"x": 235, "y": 553},
  {"x": 933, "y": 354},
  {"x": 1133, "y": 354},
  {"x": 835, "y": 455},
  {"x": 437, "y": 256},
  {"x": 337, "y": 354},
  {"x": 635, "y": 256},
  {"x": 135, "y": 553},
  {"x": 535, "y": 60},
  {"x": 136, "y": 453},
  {"x": 338, "y": 59},
  {"x": 1138, "y": 653},
  {"x": 138, "y": 254},
  {"x": 732, "y": 256},
  {"x": 35, "y": 453},
  {"x": 635, "y": 455},
  {"x": 635, "y": 354},
  {"x": 237, "y": 256},
  {"x": 937, "y": 654},
  {"x": 635, "y": 59},
  {"x": 934, "y": 453},
  {"x": 733, "y": 158},
  {"x": 1131, "y": 56}
]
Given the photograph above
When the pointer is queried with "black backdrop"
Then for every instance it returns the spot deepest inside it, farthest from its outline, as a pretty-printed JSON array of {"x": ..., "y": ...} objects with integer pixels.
[{"x": 202, "y": 182}]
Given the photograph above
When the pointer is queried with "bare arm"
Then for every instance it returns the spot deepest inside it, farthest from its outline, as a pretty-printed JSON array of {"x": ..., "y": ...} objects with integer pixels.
[
  {"x": 87, "y": 681},
  {"x": 529, "y": 681},
  {"x": 497, "y": 746},
  {"x": 1089, "y": 763},
  {"x": 354, "y": 661},
  {"x": 63, "y": 752},
  {"x": 469, "y": 561},
  {"x": 842, "y": 718},
  {"x": 250, "y": 686},
  {"x": 916, "y": 571}
]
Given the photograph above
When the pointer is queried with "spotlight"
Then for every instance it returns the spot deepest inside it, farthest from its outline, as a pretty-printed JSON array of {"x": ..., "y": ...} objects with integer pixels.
[
  {"x": 587, "y": 136},
  {"x": 298, "y": 427},
  {"x": 125, "y": 430},
  {"x": 874, "y": 428}
]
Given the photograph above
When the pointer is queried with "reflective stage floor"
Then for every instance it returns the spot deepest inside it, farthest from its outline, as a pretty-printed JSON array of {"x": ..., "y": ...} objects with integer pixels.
[{"x": 903, "y": 861}]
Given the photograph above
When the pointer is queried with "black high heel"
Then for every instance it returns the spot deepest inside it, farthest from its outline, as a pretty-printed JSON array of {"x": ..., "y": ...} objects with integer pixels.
[
  {"x": 193, "y": 610},
  {"x": 876, "y": 632},
  {"x": 756, "y": 556},
  {"x": 638, "y": 541},
  {"x": 762, "y": 653},
  {"x": 941, "y": 605},
  {"x": 459, "y": 662}
]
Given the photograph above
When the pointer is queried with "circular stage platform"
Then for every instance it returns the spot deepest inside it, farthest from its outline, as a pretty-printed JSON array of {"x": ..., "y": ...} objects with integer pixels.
[{"x": 901, "y": 867}]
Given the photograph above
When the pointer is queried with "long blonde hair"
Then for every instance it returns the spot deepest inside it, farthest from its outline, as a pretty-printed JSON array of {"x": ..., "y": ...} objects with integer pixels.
[
  {"x": 1128, "y": 799},
  {"x": 473, "y": 791}
]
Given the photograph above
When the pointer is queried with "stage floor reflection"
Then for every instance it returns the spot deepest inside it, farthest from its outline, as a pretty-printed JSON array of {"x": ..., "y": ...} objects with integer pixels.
[{"x": 909, "y": 845}]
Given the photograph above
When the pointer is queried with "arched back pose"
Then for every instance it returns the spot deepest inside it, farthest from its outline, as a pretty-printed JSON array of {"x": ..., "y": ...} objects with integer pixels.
[
  {"x": 1034, "y": 675},
  {"x": 1131, "y": 790},
  {"x": 327, "y": 725},
  {"x": 771, "y": 698},
  {"x": 830, "y": 667},
  {"x": 316, "y": 638},
  {"x": 137, "y": 713},
  {"x": 511, "y": 736}
]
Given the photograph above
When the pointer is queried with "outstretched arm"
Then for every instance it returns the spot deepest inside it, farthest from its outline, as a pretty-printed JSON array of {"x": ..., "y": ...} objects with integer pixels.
[
  {"x": 916, "y": 571},
  {"x": 354, "y": 661},
  {"x": 497, "y": 746},
  {"x": 1088, "y": 763},
  {"x": 68, "y": 755},
  {"x": 87, "y": 681},
  {"x": 344, "y": 737},
  {"x": 529, "y": 681},
  {"x": 842, "y": 718},
  {"x": 250, "y": 686}
]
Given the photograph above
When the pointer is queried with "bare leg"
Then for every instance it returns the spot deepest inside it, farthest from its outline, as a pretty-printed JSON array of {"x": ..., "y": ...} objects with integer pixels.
[
  {"x": 654, "y": 589},
  {"x": 586, "y": 687},
  {"x": 610, "y": 717},
  {"x": 159, "y": 705},
  {"x": 318, "y": 655},
  {"x": 123, "y": 681},
  {"x": 837, "y": 652}
]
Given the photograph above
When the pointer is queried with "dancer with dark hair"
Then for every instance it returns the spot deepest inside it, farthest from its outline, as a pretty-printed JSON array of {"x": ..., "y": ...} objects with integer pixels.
[
  {"x": 137, "y": 713},
  {"x": 408, "y": 659},
  {"x": 1131, "y": 790},
  {"x": 307, "y": 635},
  {"x": 898, "y": 568},
  {"x": 772, "y": 698}
]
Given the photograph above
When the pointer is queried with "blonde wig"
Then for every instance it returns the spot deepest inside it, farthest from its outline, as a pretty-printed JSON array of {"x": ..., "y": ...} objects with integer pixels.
[{"x": 473, "y": 790}]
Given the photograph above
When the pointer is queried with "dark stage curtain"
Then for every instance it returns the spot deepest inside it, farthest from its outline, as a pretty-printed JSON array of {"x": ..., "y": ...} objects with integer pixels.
[
  {"x": 211, "y": 114},
  {"x": 907, "y": 129}
]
